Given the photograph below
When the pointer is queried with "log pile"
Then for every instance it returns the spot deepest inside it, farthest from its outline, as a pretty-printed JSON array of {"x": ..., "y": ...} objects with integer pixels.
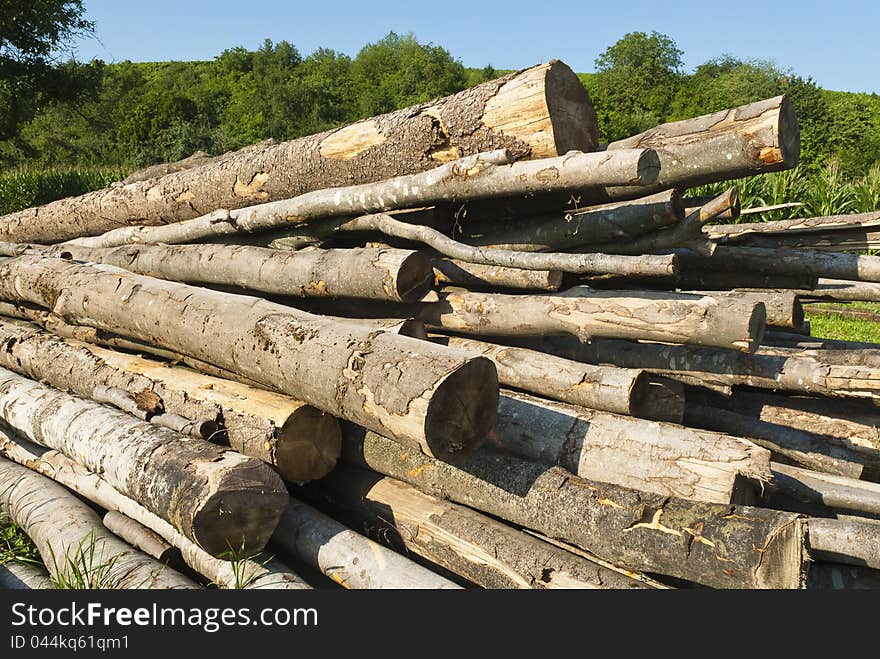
[{"x": 458, "y": 345}]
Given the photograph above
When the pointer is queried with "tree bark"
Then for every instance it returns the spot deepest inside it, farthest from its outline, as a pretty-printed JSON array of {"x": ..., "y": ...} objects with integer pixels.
[
  {"x": 836, "y": 289},
  {"x": 140, "y": 537},
  {"x": 845, "y": 541},
  {"x": 425, "y": 394},
  {"x": 743, "y": 233},
  {"x": 750, "y": 139},
  {"x": 215, "y": 497},
  {"x": 242, "y": 573},
  {"x": 300, "y": 440},
  {"x": 621, "y": 222},
  {"x": 712, "y": 544},
  {"x": 649, "y": 456},
  {"x": 197, "y": 159},
  {"x": 372, "y": 274},
  {"x": 24, "y": 576},
  {"x": 473, "y": 275},
  {"x": 826, "y": 495},
  {"x": 643, "y": 315},
  {"x": 597, "y": 387},
  {"x": 483, "y": 550},
  {"x": 784, "y": 308},
  {"x": 694, "y": 204},
  {"x": 812, "y": 451},
  {"x": 539, "y": 112},
  {"x": 70, "y": 538},
  {"x": 690, "y": 279},
  {"x": 348, "y": 558}
]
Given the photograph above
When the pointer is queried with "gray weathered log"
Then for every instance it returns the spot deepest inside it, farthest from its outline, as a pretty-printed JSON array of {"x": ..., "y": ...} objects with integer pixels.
[
  {"x": 470, "y": 275},
  {"x": 711, "y": 544},
  {"x": 540, "y": 112},
  {"x": 214, "y": 496},
  {"x": 300, "y": 440},
  {"x": 598, "y": 387},
  {"x": 415, "y": 391},
  {"x": 651, "y": 316},
  {"x": 650, "y": 456},
  {"x": 347, "y": 557},
  {"x": 197, "y": 159},
  {"x": 740, "y": 233},
  {"x": 845, "y": 541},
  {"x": 140, "y": 537},
  {"x": 70, "y": 538},
  {"x": 15, "y": 575},
  {"x": 483, "y": 550},
  {"x": 821, "y": 494}
]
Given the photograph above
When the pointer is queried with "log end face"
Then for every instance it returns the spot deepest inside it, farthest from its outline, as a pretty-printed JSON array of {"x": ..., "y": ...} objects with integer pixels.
[
  {"x": 648, "y": 167},
  {"x": 242, "y": 511},
  {"x": 784, "y": 558},
  {"x": 462, "y": 410},
  {"x": 308, "y": 445},
  {"x": 415, "y": 277},
  {"x": 572, "y": 117},
  {"x": 789, "y": 134}
]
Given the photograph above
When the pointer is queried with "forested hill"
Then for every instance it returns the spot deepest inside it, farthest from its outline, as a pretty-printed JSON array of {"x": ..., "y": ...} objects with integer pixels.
[{"x": 128, "y": 115}]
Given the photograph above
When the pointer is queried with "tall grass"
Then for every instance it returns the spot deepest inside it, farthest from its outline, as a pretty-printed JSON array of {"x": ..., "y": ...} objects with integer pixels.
[{"x": 23, "y": 188}]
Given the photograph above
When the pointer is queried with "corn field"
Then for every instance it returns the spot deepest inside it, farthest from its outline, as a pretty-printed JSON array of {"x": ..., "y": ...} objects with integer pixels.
[{"x": 23, "y": 188}]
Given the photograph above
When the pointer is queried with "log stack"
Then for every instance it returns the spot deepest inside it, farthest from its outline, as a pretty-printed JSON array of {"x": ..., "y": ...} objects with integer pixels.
[{"x": 585, "y": 380}]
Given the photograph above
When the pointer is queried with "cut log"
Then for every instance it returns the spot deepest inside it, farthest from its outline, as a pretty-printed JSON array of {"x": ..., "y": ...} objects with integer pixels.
[
  {"x": 649, "y": 456},
  {"x": 372, "y": 274},
  {"x": 348, "y": 558},
  {"x": 539, "y": 112},
  {"x": 815, "y": 493},
  {"x": 415, "y": 391},
  {"x": 473, "y": 275},
  {"x": 474, "y": 177},
  {"x": 622, "y": 221},
  {"x": 664, "y": 401},
  {"x": 197, "y": 159},
  {"x": 24, "y": 576},
  {"x": 140, "y": 537},
  {"x": 743, "y": 141},
  {"x": 781, "y": 228},
  {"x": 694, "y": 204},
  {"x": 845, "y": 541},
  {"x": 215, "y": 497},
  {"x": 71, "y": 540},
  {"x": 817, "y": 452},
  {"x": 784, "y": 308},
  {"x": 712, "y": 544},
  {"x": 788, "y": 262},
  {"x": 303, "y": 442},
  {"x": 691, "y": 280},
  {"x": 242, "y": 573},
  {"x": 836, "y": 289},
  {"x": 598, "y": 387},
  {"x": 472, "y": 545},
  {"x": 650, "y": 316}
]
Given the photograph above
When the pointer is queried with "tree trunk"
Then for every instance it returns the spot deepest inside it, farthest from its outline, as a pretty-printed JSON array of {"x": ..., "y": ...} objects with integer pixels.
[
  {"x": 784, "y": 308},
  {"x": 622, "y": 222},
  {"x": 598, "y": 387},
  {"x": 215, "y": 497},
  {"x": 643, "y": 315},
  {"x": 539, "y": 112},
  {"x": 415, "y": 391},
  {"x": 303, "y": 442},
  {"x": 780, "y": 229},
  {"x": 650, "y": 456},
  {"x": 845, "y": 541},
  {"x": 826, "y": 495},
  {"x": 372, "y": 274},
  {"x": 483, "y": 550},
  {"x": 689, "y": 279},
  {"x": 788, "y": 262},
  {"x": 140, "y": 537},
  {"x": 743, "y": 141},
  {"x": 71, "y": 540},
  {"x": 243, "y": 573},
  {"x": 804, "y": 449},
  {"x": 712, "y": 544},
  {"x": 197, "y": 159},
  {"x": 836, "y": 289},
  {"x": 24, "y": 576},
  {"x": 470, "y": 275},
  {"x": 694, "y": 204},
  {"x": 348, "y": 558}
]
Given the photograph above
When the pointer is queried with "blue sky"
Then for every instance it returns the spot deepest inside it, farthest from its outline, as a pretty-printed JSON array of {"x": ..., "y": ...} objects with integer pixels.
[{"x": 837, "y": 43}]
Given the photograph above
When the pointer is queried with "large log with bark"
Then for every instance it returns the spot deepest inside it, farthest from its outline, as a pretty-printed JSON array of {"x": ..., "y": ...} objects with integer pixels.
[
  {"x": 243, "y": 572},
  {"x": 741, "y": 234},
  {"x": 347, "y": 557},
  {"x": 825, "y": 495},
  {"x": 479, "y": 548},
  {"x": 598, "y": 387},
  {"x": 213, "y": 496},
  {"x": 300, "y": 440},
  {"x": 845, "y": 541},
  {"x": 474, "y": 275},
  {"x": 646, "y": 315},
  {"x": 712, "y": 544},
  {"x": 71, "y": 539},
  {"x": 539, "y": 112},
  {"x": 415, "y": 391},
  {"x": 650, "y": 456}
]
